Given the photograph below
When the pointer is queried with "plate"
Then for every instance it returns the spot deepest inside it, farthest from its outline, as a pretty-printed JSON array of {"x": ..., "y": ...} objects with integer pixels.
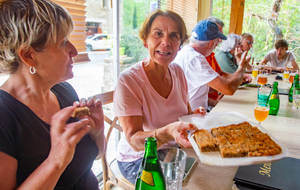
[{"x": 217, "y": 119}]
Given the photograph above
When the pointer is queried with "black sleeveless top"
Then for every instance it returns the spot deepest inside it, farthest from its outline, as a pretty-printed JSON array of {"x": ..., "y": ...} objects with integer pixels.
[{"x": 24, "y": 136}]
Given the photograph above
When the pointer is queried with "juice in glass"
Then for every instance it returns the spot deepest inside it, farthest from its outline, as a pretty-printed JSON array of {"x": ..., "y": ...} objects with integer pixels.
[
  {"x": 262, "y": 79},
  {"x": 261, "y": 113},
  {"x": 286, "y": 75},
  {"x": 254, "y": 73},
  {"x": 291, "y": 79}
]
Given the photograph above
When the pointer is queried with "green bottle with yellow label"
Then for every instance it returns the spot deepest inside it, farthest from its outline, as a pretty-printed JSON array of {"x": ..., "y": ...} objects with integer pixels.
[
  {"x": 150, "y": 174},
  {"x": 274, "y": 100}
]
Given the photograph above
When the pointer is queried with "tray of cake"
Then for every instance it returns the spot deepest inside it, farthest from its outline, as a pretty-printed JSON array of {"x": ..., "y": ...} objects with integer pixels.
[{"x": 229, "y": 139}]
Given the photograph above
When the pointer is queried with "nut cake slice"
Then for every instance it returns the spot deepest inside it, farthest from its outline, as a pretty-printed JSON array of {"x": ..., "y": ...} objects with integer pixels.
[
  {"x": 205, "y": 141},
  {"x": 241, "y": 140}
]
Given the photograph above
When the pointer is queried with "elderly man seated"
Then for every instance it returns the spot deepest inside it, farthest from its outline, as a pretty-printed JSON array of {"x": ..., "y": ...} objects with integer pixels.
[
  {"x": 246, "y": 41},
  {"x": 279, "y": 58},
  {"x": 200, "y": 76}
]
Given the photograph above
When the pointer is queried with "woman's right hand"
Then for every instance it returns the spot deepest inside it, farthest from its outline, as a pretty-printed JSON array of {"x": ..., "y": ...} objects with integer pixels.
[
  {"x": 179, "y": 132},
  {"x": 64, "y": 137}
]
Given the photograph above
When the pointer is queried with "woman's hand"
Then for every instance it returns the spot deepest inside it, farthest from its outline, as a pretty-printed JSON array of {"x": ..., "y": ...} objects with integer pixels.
[
  {"x": 96, "y": 118},
  {"x": 96, "y": 121},
  {"x": 64, "y": 137},
  {"x": 200, "y": 110},
  {"x": 179, "y": 131},
  {"x": 238, "y": 54}
]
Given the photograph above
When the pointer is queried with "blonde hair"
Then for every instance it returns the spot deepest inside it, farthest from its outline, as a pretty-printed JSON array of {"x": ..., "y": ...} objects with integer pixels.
[
  {"x": 26, "y": 23},
  {"x": 145, "y": 29}
]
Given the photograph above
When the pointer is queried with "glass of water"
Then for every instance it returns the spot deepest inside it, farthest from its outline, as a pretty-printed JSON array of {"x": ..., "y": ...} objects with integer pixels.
[
  {"x": 296, "y": 98},
  {"x": 172, "y": 162},
  {"x": 263, "y": 94}
]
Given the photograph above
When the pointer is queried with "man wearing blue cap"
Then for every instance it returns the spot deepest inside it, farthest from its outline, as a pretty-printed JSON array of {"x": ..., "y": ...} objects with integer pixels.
[{"x": 199, "y": 74}]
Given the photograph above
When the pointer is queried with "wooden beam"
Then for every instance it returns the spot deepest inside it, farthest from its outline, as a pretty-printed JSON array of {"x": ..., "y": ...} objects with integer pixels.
[
  {"x": 236, "y": 17},
  {"x": 204, "y": 9}
]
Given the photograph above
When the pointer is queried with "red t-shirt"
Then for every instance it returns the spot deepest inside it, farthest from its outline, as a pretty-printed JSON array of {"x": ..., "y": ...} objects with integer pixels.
[{"x": 215, "y": 66}]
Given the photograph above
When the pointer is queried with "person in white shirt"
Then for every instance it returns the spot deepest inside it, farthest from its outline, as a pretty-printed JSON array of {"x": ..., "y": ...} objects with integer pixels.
[
  {"x": 279, "y": 58},
  {"x": 199, "y": 74}
]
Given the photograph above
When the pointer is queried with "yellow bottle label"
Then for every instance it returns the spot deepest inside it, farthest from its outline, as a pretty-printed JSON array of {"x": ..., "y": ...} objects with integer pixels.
[
  {"x": 147, "y": 178},
  {"x": 273, "y": 96}
]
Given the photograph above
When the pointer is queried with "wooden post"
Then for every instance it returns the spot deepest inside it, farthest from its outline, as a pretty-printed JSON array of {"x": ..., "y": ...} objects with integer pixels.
[
  {"x": 204, "y": 9},
  {"x": 236, "y": 17}
]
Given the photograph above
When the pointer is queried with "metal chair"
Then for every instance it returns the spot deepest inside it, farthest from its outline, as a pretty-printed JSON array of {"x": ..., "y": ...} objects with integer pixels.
[{"x": 111, "y": 173}]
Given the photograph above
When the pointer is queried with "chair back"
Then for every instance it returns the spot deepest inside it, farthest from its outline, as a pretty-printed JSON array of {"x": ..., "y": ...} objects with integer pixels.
[{"x": 111, "y": 177}]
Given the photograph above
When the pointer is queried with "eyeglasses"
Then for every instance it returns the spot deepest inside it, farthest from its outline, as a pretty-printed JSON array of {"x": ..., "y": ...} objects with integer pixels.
[{"x": 249, "y": 42}]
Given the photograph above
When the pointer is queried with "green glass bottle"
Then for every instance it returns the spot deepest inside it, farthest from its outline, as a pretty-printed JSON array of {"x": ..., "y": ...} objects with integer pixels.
[
  {"x": 274, "y": 100},
  {"x": 295, "y": 84},
  {"x": 150, "y": 175}
]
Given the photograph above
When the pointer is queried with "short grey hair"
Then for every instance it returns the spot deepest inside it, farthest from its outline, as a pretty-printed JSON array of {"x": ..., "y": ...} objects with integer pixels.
[
  {"x": 26, "y": 23},
  {"x": 246, "y": 35},
  {"x": 216, "y": 20},
  {"x": 233, "y": 40},
  {"x": 198, "y": 42}
]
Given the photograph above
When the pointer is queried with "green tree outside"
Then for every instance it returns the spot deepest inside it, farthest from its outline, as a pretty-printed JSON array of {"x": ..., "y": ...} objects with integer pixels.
[{"x": 256, "y": 14}]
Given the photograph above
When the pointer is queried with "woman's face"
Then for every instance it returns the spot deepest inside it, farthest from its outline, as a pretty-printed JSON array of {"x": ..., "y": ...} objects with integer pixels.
[
  {"x": 54, "y": 62},
  {"x": 163, "y": 41}
]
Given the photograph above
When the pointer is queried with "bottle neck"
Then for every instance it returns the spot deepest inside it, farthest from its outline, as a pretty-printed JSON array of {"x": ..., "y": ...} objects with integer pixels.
[
  {"x": 275, "y": 89},
  {"x": 150, "y": 149},
  {"x": 296, "y": 81}
]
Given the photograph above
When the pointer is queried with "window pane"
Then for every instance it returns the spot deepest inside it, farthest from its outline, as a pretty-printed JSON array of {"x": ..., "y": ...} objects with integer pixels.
[{"x": 222, "y": 9}]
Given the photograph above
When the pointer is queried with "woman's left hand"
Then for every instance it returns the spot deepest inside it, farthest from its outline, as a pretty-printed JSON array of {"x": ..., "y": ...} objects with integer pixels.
[
  {"x": 200, "y": 110},
  {"x": 96, "y": 116},
  {"x": 180, "y": 133}
]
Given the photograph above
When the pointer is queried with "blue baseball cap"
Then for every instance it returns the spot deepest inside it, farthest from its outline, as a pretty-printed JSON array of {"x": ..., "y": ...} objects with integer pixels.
[{"x": 206, "y": 30}]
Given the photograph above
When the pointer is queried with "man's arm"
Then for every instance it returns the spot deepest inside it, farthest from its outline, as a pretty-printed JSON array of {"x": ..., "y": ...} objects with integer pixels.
[
  {"x": 295, "y": 65},
  {"x": 228, "y": 86},
  {"x": 264, "y": 65},
  {"x": 224, "y": 74}
]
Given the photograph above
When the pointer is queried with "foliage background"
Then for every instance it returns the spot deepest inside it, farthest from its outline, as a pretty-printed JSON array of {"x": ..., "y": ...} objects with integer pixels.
[
  {"x": 134, "y": 13},
  {"x": 288, "y": 21}
]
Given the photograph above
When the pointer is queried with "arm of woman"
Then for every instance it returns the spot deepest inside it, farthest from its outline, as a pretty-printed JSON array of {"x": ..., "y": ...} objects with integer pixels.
[
  {"x": 8, "y": 171},
  {"x": 64, "y": 139},
  {"x": 135, "y": 135}
]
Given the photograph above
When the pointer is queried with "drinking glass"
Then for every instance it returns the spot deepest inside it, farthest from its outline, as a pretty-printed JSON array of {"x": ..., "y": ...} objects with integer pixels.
[
  {"x": 296, "y": 98},
  {"x": 262, "y": 77},
  {"x": 286, "y": 74},
  {"x": 263, "y": 94},
  {"x": 292, "y": 76},
  {"x": 254, "y": 72},
  {"x": 261, "y": 111},
  {"x": 172, "y": 162}
]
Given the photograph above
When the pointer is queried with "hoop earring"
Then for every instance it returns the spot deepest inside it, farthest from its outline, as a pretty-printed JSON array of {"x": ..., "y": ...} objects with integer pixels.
[{"x": 32, "y": 70}]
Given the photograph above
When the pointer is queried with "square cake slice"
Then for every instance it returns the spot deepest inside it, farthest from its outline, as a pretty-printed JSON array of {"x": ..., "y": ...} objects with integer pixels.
[{"x": 205, "y": 141}]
